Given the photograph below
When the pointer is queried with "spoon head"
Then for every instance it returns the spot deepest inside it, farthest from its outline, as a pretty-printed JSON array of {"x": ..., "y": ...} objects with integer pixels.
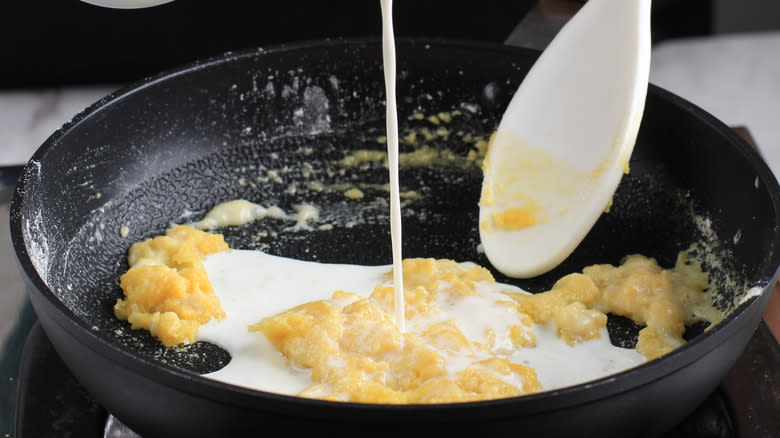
[
  {"x": 566, "y": 138},
  {"x": 126, "y": 4}
]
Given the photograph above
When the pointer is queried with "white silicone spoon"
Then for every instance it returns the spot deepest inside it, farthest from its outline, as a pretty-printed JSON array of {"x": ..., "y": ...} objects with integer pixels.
[
  {"x": 126, "y": 4},
  {"x": 565, "y": 140}
]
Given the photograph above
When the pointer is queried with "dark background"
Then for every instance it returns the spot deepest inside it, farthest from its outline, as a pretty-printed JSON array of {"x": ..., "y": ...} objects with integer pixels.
[{"x": 46, "y": 43}]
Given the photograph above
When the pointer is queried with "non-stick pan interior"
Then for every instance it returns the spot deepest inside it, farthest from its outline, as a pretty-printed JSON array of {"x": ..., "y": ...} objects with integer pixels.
[{"x": 280, "y": 127}]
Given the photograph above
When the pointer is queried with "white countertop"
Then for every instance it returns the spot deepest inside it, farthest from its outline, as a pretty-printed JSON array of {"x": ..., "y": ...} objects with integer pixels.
[
  {"x": 28, "y": 117},
  {"x": 735, "y": 77}
]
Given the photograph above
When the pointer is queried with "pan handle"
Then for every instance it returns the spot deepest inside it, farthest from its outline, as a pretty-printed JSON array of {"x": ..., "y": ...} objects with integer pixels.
[{"x": 9, "y": 175}]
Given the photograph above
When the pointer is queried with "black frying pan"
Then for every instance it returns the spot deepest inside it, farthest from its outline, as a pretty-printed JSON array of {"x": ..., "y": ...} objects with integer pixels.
[{"x": 188, "y": 139}]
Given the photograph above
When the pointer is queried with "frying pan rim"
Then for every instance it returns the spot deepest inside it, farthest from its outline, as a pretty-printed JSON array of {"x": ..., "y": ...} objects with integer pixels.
[
  {"x": 240, "y": 397},
  {"x": 190, "y": 382}
]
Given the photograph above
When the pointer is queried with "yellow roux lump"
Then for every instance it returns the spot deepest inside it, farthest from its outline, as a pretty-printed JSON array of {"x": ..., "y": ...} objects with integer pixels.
[
  {"x": 356, "y": 353},
  {"x": 167, "y": 290}
]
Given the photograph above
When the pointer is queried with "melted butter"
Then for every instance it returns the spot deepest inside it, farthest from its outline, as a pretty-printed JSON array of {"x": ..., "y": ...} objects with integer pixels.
[
  {"x": 233, "y": 213},
  {"x": 354, "y": 193},
  {"x": 240, "y": 212}
]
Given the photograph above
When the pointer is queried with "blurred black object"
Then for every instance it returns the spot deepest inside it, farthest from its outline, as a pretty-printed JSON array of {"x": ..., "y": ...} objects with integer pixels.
[
  {"x": 8, "y": 177},
  {"x": 65, "y": 42}
]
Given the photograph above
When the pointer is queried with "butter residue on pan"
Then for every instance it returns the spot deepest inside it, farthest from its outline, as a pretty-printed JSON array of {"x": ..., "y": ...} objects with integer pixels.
[
  {"x": 662, "y": 300},
  {"x": 240, "y": 212}
]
